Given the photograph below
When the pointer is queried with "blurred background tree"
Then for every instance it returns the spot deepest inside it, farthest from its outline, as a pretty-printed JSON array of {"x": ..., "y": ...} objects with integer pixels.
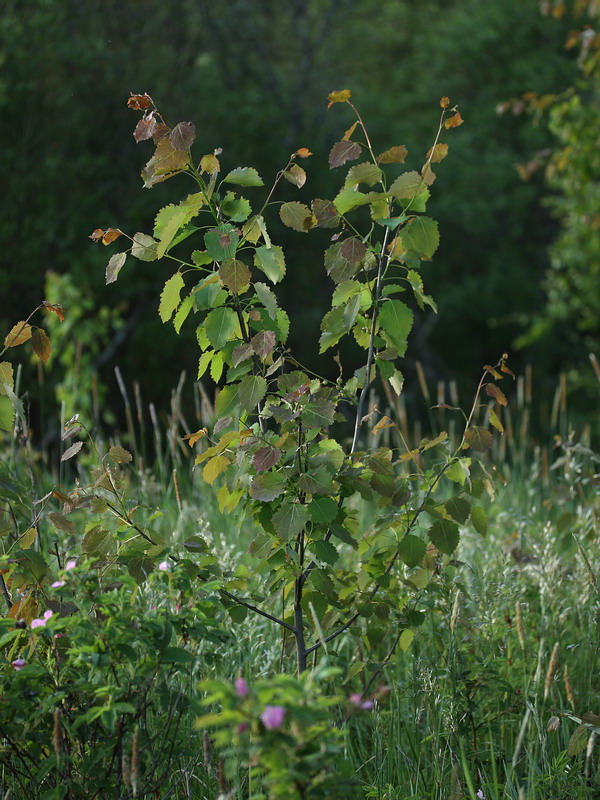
[{"x": 253, "y": 76}]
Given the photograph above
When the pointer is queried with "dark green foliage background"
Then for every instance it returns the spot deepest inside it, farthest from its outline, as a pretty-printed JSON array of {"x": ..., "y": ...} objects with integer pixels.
[{"x": 253, "y": 76}]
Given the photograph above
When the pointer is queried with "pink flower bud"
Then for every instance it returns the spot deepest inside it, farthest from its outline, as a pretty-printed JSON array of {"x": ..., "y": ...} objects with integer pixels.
[
  {"x": 241, "y": 688},
  {"x": 272, "y": 717},
  {"x": 18, "y": 664}
]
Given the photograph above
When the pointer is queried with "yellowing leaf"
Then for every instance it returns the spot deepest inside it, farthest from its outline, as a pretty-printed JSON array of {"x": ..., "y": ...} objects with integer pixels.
[
  {"x": 296, "y": 216},
  {"x": 295, "y": 175},
  {"x": 303, "y": 152},
  {"x": 192, "y": 438},
  {"x": 339, "y": 96},
  {"x": 384, "y": 422},
  {"x": 214, "y": 468},
  {"x": 395, "y": 155},
  {"x": 438, "y": 153},
  {"x": 494, "y": 391},
  {"x": 406, "y": 639},
  {"x": 209, "y": 164},
  {"x": 495, "y": 421},
  {"x": 119, "y": 455},
  {"x": 454, "y": 121},
  {"x": 444, "y": 102},
  {"x": 41, "y": 344},
  {"x": 19, "y": 333}
]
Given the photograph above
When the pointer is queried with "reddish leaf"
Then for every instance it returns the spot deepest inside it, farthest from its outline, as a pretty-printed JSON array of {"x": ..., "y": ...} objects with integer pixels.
[
  {"x": 146, "y": 128},
  {"x": 263, "y": 343},
  {"x": 343, "y": 151},
  {"x": 139, "y": 101},
  {"x": 235, "y": 275},
  {"x": 339, "y": 96},
  {"x": 325, "y": 213},
  {"x": 241, "y": 353},
  {"x": 507, "y": 371},
  {"x": 182, "y": 136},
  {"x": 41, "y": 344},
  {"x": 444, "y": 102},
  {"x": 353, "y": 250},
  {"x": 19, "y": 333},
  {"x": 494, "y": 391},
  {"x": 56, "y": 308},
  {"x": 454, "y": 121},
  {"x": 265, "y": 458},
  {"x": 395, "y": 155},
  {"x": 161, "y": 131},
  {"x": 96, "y": 235},
  {"x": 303, "y": 152}
]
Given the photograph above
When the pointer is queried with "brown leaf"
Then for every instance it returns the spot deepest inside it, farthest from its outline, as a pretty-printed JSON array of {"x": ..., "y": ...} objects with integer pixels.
[
  {"x": 71, "y": 451},
  {"x": 295, "y": 175},
  {"x": 494, "y": 391},
  {"x": 166, "y": 162},
  {"x": 96, "y": 235},
  {"x": 508, "y": 371},
  {"x": 265, "y": 458},
  {"x": 56, "y": 308},
  {"x": 303, "y": 152},
  {"x": 138, "y": 102},
  {"x": 162, "y": 130},
  {"x": 493, "y": 371},
  {"x": 438, "y": 153},
  {"x": 192, "y": 438},
  {"x": 395, "y": 155},
  {"x": 110, "y": 234},
  {"x": 119, "y": 455},
  {"x": 444, "y": 102},
  {"x": 146, "y": 128},
  {"x": 353, "y": 250},
  {"x": 339, "y": 96},
  {"x": 454, "y": 121},
  {"x": 343, "y": 151},
  {"x": 478, "y": 439},
  {"x": 41, "y": 344},
  {"x": 428, "y": 175},
  {"x": 182, "y": 136},
  {"x": 235, "y": 275},
  {"x": 19, "y": 333}
]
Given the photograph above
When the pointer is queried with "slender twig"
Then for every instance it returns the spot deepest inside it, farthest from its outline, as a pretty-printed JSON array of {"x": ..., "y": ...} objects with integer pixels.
[{"x": 241, "y": 602}]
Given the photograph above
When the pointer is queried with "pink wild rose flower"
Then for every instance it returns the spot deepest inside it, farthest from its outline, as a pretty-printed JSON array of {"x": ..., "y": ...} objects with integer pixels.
[{"x": 272, "y": 717}]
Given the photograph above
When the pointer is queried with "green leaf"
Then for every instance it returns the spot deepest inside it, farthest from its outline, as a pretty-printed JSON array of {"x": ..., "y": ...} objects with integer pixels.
[
  {"x": 97, "y": 541},
  {"x": 296, "y": 175},
  {"x": 396, "y": 320},
  {"x": 407, "y": 185},
  {"x": 203, "y": 365},
  {"x": 173, "y": 218},
  {"x": 290, "y": 520},
  {"x": 221, "y": 242},
  {"x": 362, "y": 173},
  {"x": 237, "y": 209},
  {"x": 170, "y": 296},
  {"x": 7, "y": 414},
  {"x": 296, "y": 216},
  {"x": 176, "y": 655},
  {"x": 339, "y": 268},
  {"x": 317, "y": 481},
  {"x": 267, "y": 298},
  {"x": 479, "y": 520},
  {"x": 323, "y": 509},
  {"x": 144, "y": 247},
  {"x": 268, "y": 486},
  {"x": 227, "y": 401},
  {"x": 324, "y": 551},
  {"x": 252, "y": 389},
  {"x": 318, "y": 414},
  {"x": 412, "y": 550},
  {"x": 183, "y": 312},
  {"x": 244, "y": 176},
  {"x": 220, "y": 324},
  {"x": 235, "y": 275},
  {"x": 271, "y": 261},
  {"x": 458, "y": 508},
  {"x": 421, "y": 236},
  {"x": 114, "y": 267},
  {"x": 444, "y": 535},
  {"x": 347, "y": 199},
  {"x": 216, "y": 367}
]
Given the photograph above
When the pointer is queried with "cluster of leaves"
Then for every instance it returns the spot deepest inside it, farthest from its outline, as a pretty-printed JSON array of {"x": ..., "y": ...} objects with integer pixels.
[
  {"x": 22, "y": 332},
  {"x": 270, "y": 455},
  {"x": 96, "y": 691}
]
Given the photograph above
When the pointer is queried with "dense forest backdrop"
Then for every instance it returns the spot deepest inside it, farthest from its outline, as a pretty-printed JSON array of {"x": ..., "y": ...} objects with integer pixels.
[{"x": 253, "y": 76}]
